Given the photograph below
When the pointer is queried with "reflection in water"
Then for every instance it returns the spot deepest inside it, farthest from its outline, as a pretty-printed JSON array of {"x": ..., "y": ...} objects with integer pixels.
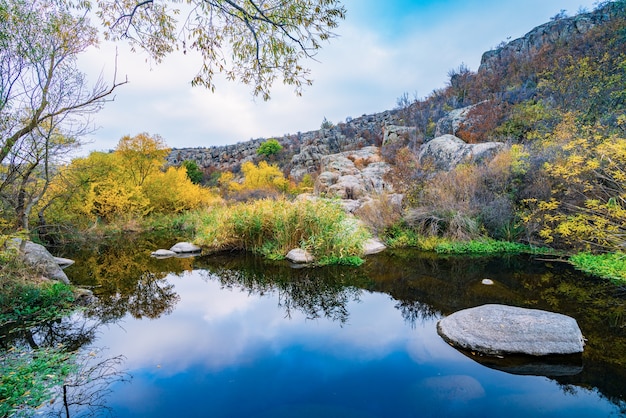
[
  {"x": 215, "y": 324},
  {"x": 85, "y": 392}
]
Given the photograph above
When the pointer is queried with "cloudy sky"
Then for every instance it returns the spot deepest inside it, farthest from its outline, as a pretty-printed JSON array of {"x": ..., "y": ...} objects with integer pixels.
[{"x": 383, "y": 50}]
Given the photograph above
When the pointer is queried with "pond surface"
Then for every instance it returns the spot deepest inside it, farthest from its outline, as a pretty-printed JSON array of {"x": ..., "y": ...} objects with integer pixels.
[{"x": 235, "y": 336}]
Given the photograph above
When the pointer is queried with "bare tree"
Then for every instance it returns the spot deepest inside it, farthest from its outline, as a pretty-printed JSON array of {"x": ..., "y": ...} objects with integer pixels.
[{"x": 45, "y": 101}]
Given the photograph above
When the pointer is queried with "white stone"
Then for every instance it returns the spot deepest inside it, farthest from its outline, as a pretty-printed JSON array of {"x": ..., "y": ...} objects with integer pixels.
[
  {"x": 185, "y": 247},
  {"x": 299, "y": 256},
  {"x": 373, "y": 246},
  {"x": 163, "y": 253}
]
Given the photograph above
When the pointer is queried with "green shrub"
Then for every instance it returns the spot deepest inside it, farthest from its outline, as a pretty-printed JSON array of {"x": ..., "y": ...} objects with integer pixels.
[{"x": 610, "y": 266}]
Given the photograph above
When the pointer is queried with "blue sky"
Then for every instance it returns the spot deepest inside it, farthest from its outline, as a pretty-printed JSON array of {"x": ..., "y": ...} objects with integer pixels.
[{"x": 383, "y": 50}]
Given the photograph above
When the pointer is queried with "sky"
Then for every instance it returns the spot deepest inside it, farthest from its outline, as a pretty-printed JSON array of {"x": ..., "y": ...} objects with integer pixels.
[{"x": 383, "y": 49}]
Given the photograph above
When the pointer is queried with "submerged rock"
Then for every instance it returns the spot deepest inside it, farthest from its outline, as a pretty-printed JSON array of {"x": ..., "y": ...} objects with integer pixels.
[{"x": 500, "y": 329}]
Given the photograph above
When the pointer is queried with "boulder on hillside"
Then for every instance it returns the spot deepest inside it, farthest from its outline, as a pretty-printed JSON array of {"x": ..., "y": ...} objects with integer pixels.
[
  {"x": 448, "y": 151},
  {"x": 452, "y": 121},
  {"x": 39, "y": 258},
  {"x": 501, "y": 329}
]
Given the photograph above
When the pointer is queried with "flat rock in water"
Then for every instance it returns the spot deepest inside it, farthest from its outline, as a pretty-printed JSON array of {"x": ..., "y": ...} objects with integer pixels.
[
  {"x": 500, "y": 329},
  {"x": 163, "y": 253},
  {"x": 299, "y": 256},
  {"x": 185, "y": 247}
]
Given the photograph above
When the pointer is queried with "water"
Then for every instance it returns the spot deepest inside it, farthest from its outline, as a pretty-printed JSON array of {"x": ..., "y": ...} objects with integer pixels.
[{"x": 234, "y": 336}]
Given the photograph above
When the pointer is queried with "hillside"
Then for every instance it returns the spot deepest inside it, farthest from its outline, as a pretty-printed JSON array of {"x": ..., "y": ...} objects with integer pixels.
[{"x": 567, "y": 64}]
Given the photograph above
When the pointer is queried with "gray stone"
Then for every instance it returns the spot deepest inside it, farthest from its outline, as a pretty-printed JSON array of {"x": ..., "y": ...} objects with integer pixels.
[
  {"x": 448, "y": 151},
  {"x": 500, "y": 329},
  {"x": 38, "y": 257},
  {"x": 353, "y": 175},
  {"x": 163, "y": 253},
  {"x": 452, "y": 121},
  {"x": 299, "y": 256},
  {"x": 185, "y": 247},
  {"x": 373, "y": 246},
  {"x": 63, "y": 262},
  {"x": 487, "y": 282}
]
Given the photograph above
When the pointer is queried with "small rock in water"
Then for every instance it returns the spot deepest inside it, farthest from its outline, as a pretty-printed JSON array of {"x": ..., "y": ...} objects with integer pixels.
[
  {"x": 185, "y": 247},
  {"x": 299, "y": 256},
  {"x": 373, "y": 246},
  {"x": 163, "y": 253}
]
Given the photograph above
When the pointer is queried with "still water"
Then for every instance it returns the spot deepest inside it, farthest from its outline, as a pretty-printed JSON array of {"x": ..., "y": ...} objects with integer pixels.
[{"x": 234, "y": 336}]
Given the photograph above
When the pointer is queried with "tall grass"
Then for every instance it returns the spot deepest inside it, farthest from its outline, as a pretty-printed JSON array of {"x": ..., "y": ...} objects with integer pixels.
[{"x": 274, "y": 227}]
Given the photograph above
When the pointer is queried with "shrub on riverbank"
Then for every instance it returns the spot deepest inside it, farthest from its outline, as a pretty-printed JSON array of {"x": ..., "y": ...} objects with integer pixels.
[{"x": 274, "y": 227}]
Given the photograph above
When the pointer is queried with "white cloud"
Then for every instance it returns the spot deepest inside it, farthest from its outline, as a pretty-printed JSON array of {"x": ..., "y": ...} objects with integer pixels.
[{"x": 383, "y": 50}]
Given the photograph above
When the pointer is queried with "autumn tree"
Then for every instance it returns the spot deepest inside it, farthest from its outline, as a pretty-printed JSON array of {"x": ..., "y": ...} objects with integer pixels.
[
  {"x": 45, "y": 101},
  {"x": 251, "y": 41},
  {"x": 143, "y": 155}
]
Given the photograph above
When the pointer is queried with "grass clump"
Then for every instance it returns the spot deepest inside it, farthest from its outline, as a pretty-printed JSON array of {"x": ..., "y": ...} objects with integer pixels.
[
  {"x": 274, "y": 227},
  {"x": 27, "y": 378},
  {"x": 610, "y": 266}
]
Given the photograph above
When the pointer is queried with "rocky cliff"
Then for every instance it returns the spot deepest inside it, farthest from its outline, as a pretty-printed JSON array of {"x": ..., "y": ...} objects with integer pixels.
[
  {"x": 558, "y": 30},
  {"x": 303, "y": 152}
]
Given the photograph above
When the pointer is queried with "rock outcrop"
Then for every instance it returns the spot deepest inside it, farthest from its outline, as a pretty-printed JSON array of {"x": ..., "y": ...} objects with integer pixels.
[
  {"x": 561, "y": 30},
  {"x": 40, "y": 259},
  {"x": 500, "y": 329},
  {"x": 353, "y": 175},
  {"x": 448, "y": 151},
  {"x": 452, "y": 121}
]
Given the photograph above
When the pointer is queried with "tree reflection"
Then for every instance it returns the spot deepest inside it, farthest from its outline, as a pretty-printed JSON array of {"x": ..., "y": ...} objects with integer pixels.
[
  {"x": 85, "y": 391},
  {"x": 314, "y": 292}
]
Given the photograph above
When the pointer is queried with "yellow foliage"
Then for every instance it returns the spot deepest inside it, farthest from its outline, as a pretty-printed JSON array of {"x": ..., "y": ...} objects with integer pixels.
[
  {"x": 587, "y": 209},
  {"x": 263, "y": 176},
  {"x": 173, "y": 192}
]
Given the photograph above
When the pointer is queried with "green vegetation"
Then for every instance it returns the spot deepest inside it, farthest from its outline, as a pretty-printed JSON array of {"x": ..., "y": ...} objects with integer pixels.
[
  {"x": 488, "y": 246},
  {"x": 27, "y": 378},
  {"x": 269, "y": 148},
  {"x": 274, "y": 227},
  {"x": 193, "y": 171},
  {"x": 611, "y": 266}
]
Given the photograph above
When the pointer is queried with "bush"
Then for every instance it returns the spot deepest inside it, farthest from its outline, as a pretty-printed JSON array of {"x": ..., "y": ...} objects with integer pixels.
[{"x": 274, "y": 227}]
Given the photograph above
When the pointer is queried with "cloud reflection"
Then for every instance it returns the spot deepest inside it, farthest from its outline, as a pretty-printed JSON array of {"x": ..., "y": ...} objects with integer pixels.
[{"x": 218, "y": 327}]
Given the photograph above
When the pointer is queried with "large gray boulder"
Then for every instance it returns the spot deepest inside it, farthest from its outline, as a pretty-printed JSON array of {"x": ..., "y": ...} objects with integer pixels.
[
  {"x": 500, "y": 329},
  {"x": 448, "y": 151},
  {"x": 38, "y": 257}
]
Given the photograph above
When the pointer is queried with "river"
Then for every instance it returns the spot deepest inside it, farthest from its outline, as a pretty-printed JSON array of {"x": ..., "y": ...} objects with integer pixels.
[{"x": 232, "y": 335}]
